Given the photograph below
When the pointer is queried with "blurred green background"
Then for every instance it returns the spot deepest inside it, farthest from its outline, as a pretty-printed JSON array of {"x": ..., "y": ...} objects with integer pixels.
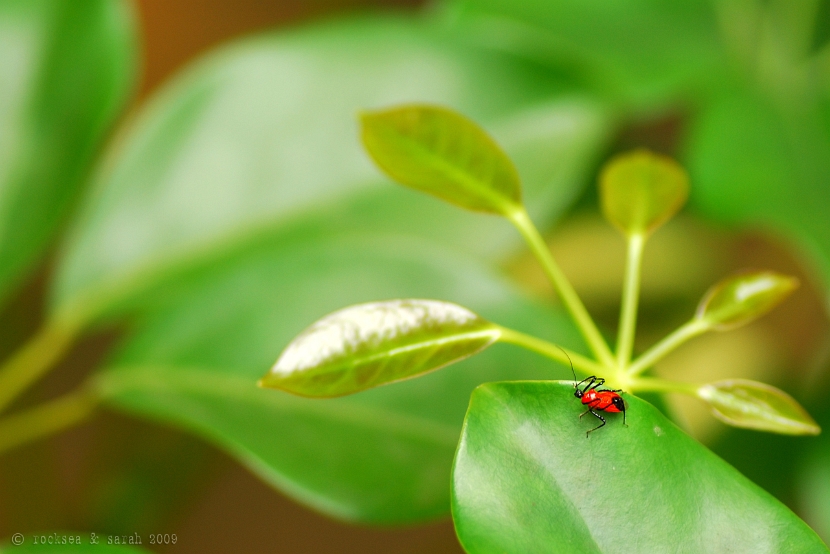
[{"x": 737, "y": 90}]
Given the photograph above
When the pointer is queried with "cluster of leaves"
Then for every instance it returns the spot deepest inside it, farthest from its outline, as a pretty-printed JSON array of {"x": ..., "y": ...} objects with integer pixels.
[
  {"x": 518, "y": 481},
  {"x": 236, "y": 207}
]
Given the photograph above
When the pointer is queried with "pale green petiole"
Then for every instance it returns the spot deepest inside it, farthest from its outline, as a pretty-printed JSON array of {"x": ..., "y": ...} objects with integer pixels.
[
  {"x": 553, "y": 351},
  {"x": 563, "y": 287},
  {"x": 630, "y": 298},
  {"x": 34, "y": 359},
  {"x": 46, "y": 419},
  {"x": 682, "y": 334}
]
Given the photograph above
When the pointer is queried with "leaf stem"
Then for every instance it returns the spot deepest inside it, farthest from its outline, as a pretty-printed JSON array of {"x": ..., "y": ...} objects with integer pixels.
[
  {"x": 630, "y": 298},
  {"x": 552, "y": 351},
  {"x": 46, "y": 419},
  {"x": 570, "y": 299},
  {"x": 34, "y": 359},
  {"x": 682, "y": 334}
]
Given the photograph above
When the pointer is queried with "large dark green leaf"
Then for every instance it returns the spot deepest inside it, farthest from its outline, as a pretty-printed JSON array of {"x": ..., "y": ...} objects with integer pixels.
[
  {"x": 634, "y": 49},
  {"x": 260, "y": 134},
  {"x": 383, "y": 455},
  {"x": 526, "y": 480},
  {"x": 66, "y": 69}
]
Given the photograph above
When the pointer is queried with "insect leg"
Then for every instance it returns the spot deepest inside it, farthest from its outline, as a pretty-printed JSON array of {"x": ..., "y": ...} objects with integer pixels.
[
  {"x": 598, "y": 382},
  {"x": 583, "y": 413},
  {"x": 589, "y": 381},
  {"x": 598, "y": 426}
]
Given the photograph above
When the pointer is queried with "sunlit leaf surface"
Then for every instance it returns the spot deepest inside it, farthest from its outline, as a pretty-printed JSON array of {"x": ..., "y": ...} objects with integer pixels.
[
  {"x": 741, "y": 298},
  {"x": 754, "y": 405},
  {"x": 526, "y": 479},
  {"x": 441, "y": 152},
  {"x": 372, "y": 344}
]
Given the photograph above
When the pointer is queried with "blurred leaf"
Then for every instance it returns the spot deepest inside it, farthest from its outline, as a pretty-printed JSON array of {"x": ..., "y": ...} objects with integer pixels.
[
  {"x": 66, "y": 69},
  {"x": 757, "y": 163},
  {"x": 813, "y": 487},
  {"x": 638, "y": 50},
  {"x": 755, "y": 405},
  {"x": 262, "y": 134},
  {"x": 381, "y": 456},
  {"x": 640, "y": 191},
  {"x": 520, "y": 485},
  {"x": 28, "y": 546},
  {"x": 441, "y": 152},
  {"x": 368, "y": 345},
  {"x": 235, "y": 191},
  {"x": 741, "y": 298}
]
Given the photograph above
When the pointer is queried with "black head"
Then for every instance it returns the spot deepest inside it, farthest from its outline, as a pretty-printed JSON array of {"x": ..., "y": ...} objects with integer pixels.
[
  {"x": 619, "y": 403},
  {"x": 578, "y": 393}
]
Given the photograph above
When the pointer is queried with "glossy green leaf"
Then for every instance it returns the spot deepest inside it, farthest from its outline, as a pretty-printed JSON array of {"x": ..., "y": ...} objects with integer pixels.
[
  {"x": 441, "y": 152},
  {"x": 755, "y": 405},
  {"x": 641, "y": 190},
  {"x": 526, "y": 479},
  {"x": 66, "y": 69},
  {"x": 262, "y": 135},
  {"x": 640, "y": 50},
  {"x": 373, "y": 344},
  {"x": 82, "y": 543},
  {"x": 383, "y": 455},
  {"x": 741, "y": 298}
]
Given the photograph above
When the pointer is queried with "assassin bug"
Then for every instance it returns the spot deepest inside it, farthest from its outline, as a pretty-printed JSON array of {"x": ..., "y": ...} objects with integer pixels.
[{"x": 605, "y": 400}]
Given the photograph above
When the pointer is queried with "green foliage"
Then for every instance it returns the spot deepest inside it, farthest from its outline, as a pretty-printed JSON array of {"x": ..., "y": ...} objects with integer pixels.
[
  {"x": 236, "y": 208},
  {"x": 381, "y": 456},
  {"x": 372, "y": 344},
  {"x": 755, "y": 405},
  {"x": 442, "y": 153},
  {"x": 739, "y": 299},
  {"x": 66, "y": 72},
  {"x": 527, "y": 480},
  {"x": 640, "y": 191}
]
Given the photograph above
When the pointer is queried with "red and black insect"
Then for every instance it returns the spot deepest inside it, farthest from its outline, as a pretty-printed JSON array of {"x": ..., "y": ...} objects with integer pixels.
[{"x": 605, "y": 400}]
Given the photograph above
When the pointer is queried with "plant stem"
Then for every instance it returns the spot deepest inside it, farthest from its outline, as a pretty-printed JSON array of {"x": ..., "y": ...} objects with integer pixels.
[
  {"x": 551, "y": 350},
  {"x": 34, "y": 359},
  {"x": 570, "y": 299},
  {"x": 661, "y": 385},
  {"x": 46, "y": 419},
  {"x": 656, "y": 352},
  {"x": 630, "y": 298}
]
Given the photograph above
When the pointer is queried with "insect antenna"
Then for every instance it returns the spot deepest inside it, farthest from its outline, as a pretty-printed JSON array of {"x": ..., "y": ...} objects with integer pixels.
[{"x": 565, "y": 352}]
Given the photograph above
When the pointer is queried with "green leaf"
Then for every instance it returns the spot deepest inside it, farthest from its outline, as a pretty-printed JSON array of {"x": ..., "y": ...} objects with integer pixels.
[
  {"x": 83, "y": 543},
  {"x": 262, "y": 135},
  {"x": 373, "y": 344},
  {"x": 383, "y": 455},
  {"x": 526, "y": 479},
  {"x": 66, "y": 70},
  {"x": 640, "y": 191},
  {"x": 741, "y": 298},
  {"x": 757, "y": 162},
  {"x": 755, "y": 405},
  {"x": 442, "y": 153},
  {"x": 640, "y": 50},
  {"x": 241, "y": 187}
]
